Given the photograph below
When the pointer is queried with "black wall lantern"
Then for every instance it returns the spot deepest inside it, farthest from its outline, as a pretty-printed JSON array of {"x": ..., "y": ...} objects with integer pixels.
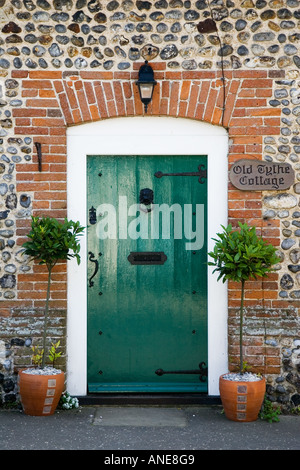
[{"x": 146, "y": 84}]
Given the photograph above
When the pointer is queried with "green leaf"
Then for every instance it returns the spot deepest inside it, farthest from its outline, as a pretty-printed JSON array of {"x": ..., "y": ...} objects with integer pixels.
[
  {"x": 240, "y": 254},
  {"x": 51, "y": 240}
]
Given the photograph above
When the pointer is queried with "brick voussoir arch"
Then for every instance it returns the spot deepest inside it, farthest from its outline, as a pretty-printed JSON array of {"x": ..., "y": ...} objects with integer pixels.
[
  {"x": 90, "y": 96},
  {"x": 55, "y": 100},
  {"x": 237, "y": 101}
]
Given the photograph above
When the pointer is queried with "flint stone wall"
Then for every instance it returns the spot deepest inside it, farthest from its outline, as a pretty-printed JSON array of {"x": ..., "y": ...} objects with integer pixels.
[{"x": 250, "y": 51}]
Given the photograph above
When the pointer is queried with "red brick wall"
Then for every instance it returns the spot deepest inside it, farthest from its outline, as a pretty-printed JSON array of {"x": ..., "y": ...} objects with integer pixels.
[{"x": 57, "y": 99}]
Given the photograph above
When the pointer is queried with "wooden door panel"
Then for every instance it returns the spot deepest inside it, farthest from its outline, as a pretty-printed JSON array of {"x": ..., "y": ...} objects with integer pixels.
[{"x": 142, "y": 318}]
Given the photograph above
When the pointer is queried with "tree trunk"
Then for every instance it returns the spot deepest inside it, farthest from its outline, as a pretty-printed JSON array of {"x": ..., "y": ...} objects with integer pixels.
[
  {"x": 46, "y": 316},
  {"x": 241, "y": 325}
]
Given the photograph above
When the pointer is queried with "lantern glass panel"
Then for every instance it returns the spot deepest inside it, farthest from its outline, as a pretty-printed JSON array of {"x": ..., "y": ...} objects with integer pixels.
[{"x": 146, "y": 90}]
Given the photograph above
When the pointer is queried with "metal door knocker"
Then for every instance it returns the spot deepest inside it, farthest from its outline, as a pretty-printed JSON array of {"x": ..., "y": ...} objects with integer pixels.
[{"x": 146, "y": 199}]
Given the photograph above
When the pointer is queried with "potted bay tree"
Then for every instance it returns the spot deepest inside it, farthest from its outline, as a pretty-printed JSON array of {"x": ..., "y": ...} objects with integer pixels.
[
  {"x": 49, "y": 241},
  {"x": 240, "y": 255}
]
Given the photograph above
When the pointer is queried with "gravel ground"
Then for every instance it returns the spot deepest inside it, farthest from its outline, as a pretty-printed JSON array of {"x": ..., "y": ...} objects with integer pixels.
[{"x": 187, "y": 428}]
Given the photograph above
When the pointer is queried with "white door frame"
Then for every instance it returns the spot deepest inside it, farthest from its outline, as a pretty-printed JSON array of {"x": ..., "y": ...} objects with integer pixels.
[{"x": 144, "y": 136}]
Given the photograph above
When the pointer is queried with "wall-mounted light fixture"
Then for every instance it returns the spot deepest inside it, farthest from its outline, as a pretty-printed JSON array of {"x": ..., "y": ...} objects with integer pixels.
[{"x": 146, "y": 84}]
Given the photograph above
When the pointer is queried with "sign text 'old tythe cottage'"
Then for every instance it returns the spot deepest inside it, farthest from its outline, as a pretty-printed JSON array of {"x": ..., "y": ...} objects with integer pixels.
[{"x": 255, "y": 175}]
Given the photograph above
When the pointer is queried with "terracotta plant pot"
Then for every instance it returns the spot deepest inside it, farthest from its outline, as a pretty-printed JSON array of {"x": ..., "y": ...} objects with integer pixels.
[
  {"x": 242, "y": 400},
  {"x": 40, "y": 393}
]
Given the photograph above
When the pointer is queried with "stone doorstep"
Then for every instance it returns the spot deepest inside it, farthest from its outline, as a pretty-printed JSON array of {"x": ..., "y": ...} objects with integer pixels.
[{"x": 139, "y": 416}]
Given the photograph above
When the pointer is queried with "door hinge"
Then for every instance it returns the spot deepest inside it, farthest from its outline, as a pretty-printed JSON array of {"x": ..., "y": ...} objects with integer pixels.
[
  {"x": 92, "y": 215},
  {"x": 202, "y": 371},
  {"x": 202, "y": 173}
]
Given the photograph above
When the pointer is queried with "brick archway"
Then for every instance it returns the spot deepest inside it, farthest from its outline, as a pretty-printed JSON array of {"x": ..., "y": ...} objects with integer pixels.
[
  {"x": 88, "y": 96},
  {"x": 56, "y": 100}
]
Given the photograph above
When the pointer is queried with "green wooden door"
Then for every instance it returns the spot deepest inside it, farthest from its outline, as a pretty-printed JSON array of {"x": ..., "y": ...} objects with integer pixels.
[{"x": 147, "y": 274}]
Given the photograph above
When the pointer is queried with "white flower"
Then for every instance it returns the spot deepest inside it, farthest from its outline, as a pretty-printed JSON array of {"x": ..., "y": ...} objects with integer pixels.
[{"x": 67, "y": 402}]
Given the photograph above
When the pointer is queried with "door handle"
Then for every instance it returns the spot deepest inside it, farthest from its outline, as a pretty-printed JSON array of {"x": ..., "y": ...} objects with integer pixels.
[{"x": 93, "y": 260}]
